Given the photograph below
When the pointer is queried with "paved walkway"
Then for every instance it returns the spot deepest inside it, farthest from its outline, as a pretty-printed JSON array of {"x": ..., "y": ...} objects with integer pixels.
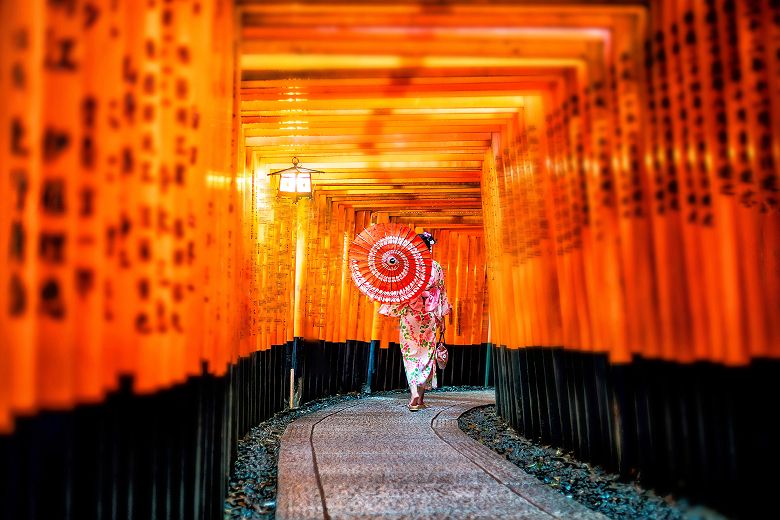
[{"x": 373, "y": 458}]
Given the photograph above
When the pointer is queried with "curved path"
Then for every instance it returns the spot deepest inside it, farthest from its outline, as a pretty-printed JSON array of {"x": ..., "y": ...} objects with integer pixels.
[{"x": 374, "y": 458}]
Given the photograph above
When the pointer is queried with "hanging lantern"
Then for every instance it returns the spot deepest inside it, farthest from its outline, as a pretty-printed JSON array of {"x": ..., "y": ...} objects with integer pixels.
[{"x": 296, "y": 180}]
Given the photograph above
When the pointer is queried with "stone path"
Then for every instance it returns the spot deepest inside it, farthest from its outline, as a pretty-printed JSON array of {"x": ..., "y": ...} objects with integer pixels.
[{"x": 373, "y": 458}]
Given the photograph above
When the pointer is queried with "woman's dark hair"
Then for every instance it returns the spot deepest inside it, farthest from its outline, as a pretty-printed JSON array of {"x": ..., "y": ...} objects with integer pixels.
[{"x": 427, "y": 238}]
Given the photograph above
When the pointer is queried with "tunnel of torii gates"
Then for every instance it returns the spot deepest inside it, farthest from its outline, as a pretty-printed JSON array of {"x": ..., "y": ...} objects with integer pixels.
[{"x": 600, "y": 176}]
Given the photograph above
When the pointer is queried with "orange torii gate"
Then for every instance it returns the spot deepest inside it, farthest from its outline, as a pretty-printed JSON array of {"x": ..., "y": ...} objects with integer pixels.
[{"x": 601, "y": 177}]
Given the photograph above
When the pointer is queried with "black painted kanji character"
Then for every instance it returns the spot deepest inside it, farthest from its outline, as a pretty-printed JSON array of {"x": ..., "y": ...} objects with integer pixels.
[
  {"x": 130, "y": 107},
  {"x": 183, "y": 53},
  {"x": 55, "y": 143},
  {"x": 85, "y": 281},
  {"x": 89, "y": 108},
  {"x": 87, "y": 202},
  {"x": 769, "y": 183},
  {"x": 176, "y": 323},
  {"x": 21, "y": 185},
  {"x": 182, "y": 89},
  {"x": 178, "y": 228},
  {"x": 142, "y": 324},
  {"x": 59, "y": 54},
  {"x": 18, "y": 242},
  {"x": 18, "y": 132},
  {"x": 181, "y": 145},
  {"x": 128, "y": 162},
  {"x": 182, "y": 114},
  {"x": 151, "y": 49},
  {"x": 748, "y": 198},
  {"x": 161, "y": 326},
  {"x": 91, "y": 15},
  {"x": 147, "y": 144},
  {"x": 129, "y": 73},
  {"x": 145, "y": 250},
  {"x": 88, "y": 152},
  {"x": 144, "y": 288},
  {"x": 53, "y": 196},
  {"x": 51, "y": 247},
  {"x": 162, "y": 220},
  {"x": 164, "y": 178},
  {"x": 111, "y": 233},
  {"x": 113, "y": 111},
  {"x": 19, "y": 75},
  {"x": 17, "y": 304},
  {"x": 178, "y": 292},
  {"x": 68, "y": 5},
  {"x": 52, "y": 303},
  {"x": 149, "y": 84},
  {"x": 149, "y": 111},
  {"x": 167, "y": 17}
]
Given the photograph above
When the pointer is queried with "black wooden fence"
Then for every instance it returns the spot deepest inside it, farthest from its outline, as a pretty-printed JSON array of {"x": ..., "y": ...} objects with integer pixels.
[
  {"x": 700, "y": 430},
  {"x": 169, "y": 454}
]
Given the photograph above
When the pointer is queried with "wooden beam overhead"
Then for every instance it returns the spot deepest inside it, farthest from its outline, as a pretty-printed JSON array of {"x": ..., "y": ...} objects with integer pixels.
[
  {"x": 527, "y": 74},
  {"x": 267, "y": 41},
  {"x": 367, "y": 137},
  {"x": 400, "y": 74},
  {"x": 359, "y": 92},
  {"x": 292, "y": 103},
  {"x": 422, "y": 16},
  {"x": 346, "y": 189},
  {"x": 363, "y": 143},
  {"x": 409, "y": 131},
  {"x": 398, "y": 101},
  {"x": 422, "y": 199},
  {"x": 399, "y": 118},
  {"x": 434, "y": 220},
  {"x": 356, "y": 61},
  {"x": 324, "y": 159}
]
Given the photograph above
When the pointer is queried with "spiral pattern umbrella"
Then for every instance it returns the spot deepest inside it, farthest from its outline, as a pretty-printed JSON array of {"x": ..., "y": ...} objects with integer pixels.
[{"x": 389, "y": 263}]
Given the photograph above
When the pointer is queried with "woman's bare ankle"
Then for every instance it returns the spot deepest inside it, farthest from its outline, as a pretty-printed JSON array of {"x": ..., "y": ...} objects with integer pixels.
[{"x": 421, "y": 393}]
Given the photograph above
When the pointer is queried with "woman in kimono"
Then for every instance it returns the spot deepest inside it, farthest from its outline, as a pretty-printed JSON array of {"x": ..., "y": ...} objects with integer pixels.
[{"x": 419, "y": 320}]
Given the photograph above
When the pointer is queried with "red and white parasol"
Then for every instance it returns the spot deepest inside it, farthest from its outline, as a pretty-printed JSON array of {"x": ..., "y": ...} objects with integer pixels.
[{"x": 390, "y": 263}]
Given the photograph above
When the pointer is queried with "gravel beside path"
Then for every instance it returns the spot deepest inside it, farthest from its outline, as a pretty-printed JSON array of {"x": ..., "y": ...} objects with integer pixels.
[{"x": 587, "y": 484}]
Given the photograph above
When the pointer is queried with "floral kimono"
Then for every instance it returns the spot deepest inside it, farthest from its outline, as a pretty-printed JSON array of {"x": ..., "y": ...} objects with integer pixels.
[{"x": 419, "y": 319}]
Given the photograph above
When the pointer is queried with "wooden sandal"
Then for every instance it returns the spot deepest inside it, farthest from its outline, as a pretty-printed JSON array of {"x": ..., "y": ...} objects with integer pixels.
[{"x": 415, "y": 407}]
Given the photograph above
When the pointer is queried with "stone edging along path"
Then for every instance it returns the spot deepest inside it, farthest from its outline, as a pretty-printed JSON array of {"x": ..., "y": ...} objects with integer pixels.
[{"x": 372, "y": 457}]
